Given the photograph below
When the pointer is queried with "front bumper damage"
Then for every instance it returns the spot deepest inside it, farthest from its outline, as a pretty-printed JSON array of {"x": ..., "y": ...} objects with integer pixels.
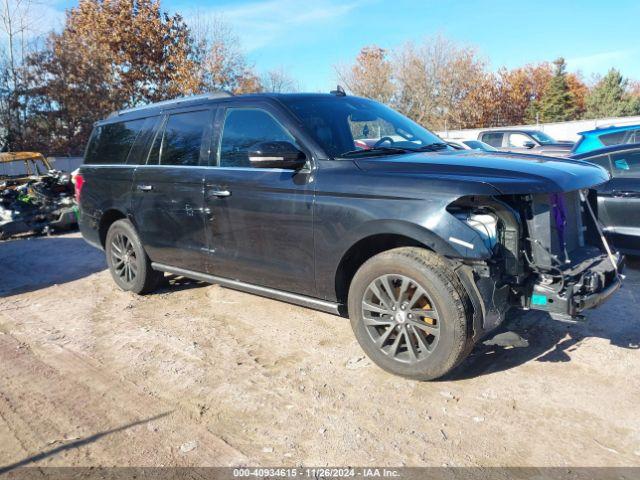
[{"x": 585, "y": 285}]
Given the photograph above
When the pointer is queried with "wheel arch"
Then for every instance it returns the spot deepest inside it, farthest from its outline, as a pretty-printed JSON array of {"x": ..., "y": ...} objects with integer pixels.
[
  {"x": 378, "y": 238},
  {"x": 106, "y": 220}
]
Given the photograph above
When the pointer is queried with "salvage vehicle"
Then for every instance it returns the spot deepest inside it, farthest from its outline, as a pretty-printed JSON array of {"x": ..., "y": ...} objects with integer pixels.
[
  {"x": 34, "y": 198},
  {"x": 618, "y": 205},
  {"x": 526, "y": 141},
  {"x": 17, "y": 168},
  {"x": 425, "y": 248},
  {"x": 606, "y": 137}
]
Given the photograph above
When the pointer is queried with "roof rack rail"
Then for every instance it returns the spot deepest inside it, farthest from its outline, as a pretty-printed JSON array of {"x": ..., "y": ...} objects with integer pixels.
[{"x": 174, "y": 101}]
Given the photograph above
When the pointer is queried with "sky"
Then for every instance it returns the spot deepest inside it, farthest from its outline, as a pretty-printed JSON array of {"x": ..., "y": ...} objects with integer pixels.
[{"x": 309, "y": 38}]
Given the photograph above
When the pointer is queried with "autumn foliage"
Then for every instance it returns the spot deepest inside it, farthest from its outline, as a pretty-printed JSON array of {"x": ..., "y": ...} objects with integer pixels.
[
  {"x": 114, "y": 54},
  {"x": 443, "y": 85}
]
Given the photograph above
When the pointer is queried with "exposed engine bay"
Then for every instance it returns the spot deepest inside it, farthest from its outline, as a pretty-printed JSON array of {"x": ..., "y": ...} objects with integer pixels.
[{"x": 548, "y": 253}]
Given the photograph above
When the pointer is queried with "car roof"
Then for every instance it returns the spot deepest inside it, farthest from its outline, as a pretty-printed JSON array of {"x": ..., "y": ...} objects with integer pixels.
[
  {"x": 511, "y": 130},
  {"x": 221, "y": 96},
  {"x": 610, "y": 129},
  {"x": 9, "y": 157},
  {"x": 606, "y": 150}
]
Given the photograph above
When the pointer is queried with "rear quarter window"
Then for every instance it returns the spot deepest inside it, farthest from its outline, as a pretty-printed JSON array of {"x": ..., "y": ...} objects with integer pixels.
[
  {"x": 615, "y": 138},
  {"x": 600, "y": 160},
  {"x": 110, "y": 144}
]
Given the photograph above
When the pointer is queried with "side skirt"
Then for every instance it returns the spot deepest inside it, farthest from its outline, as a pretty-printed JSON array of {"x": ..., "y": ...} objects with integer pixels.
[{"x": 302, "y": 300}]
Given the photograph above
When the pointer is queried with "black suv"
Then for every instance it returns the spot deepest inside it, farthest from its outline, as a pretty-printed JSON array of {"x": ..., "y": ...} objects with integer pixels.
[{"x": 341, "y": 204}]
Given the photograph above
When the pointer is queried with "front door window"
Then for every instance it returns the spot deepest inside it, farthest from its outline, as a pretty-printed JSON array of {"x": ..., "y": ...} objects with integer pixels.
[{"x": 244, "y": 128}]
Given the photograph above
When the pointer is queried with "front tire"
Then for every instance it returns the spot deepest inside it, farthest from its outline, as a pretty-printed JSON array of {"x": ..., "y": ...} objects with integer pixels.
[
  {"x": 128, "y": 263},
  {"x": 410, "y": 313}
]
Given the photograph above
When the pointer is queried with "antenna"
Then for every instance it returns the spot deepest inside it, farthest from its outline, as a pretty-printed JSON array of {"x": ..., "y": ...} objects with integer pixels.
[{"x": 338, "y": 92}]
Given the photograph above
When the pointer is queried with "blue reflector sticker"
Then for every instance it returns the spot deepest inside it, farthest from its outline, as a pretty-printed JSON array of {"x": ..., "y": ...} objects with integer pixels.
[{"x": 538, "y": 300}]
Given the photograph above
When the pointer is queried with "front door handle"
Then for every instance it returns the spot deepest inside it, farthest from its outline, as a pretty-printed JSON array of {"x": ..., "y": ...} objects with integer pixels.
[
  {"x": 145, "y": 188},
  {"x": 219, "y": 193}
]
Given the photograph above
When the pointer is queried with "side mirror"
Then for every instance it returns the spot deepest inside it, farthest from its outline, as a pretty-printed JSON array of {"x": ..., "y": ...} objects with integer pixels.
[
  {"x": 276, "y": 155},
  {"x": 529, "y": 144}
]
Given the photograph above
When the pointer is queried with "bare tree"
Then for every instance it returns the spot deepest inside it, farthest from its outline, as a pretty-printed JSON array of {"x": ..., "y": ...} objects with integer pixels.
[
  {"x": 278, "y": 81},
  {"x": 223, "y": 65},
  {"x": 16, "y": 24},
  {"x": 436, "y": 81}
]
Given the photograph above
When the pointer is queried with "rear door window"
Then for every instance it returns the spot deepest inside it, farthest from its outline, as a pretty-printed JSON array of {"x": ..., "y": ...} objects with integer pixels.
[
  {"x": 626, "y": 164},
  {"x": 110, "y": 144},
  {"x": 180, "y": 142},
  {"x": 493, "y": 139},
  {"x": 140, "y": 146}
]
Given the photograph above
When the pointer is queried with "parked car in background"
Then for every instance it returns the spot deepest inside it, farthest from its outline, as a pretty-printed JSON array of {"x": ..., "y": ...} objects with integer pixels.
[
  {"x": 525, "y": 141},
  {"x": 471, "y": 145},
  {"x": 619, "y": 198},
  {"x": 425, "y": 248},
  {"x": 606, "y": 137}
]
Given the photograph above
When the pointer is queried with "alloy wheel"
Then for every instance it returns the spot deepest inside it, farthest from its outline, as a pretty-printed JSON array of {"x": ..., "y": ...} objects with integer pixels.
[
  {"x": 400, "y": 318},
  {"x": 123, "y": 258}
]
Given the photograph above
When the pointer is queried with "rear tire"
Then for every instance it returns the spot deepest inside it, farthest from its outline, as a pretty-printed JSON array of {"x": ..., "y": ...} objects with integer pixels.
[
  {"x": 128, "y": 263},
  {"x": 410, "y": 313}
]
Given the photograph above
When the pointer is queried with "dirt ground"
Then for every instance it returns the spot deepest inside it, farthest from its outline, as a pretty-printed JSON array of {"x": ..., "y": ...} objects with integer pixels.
[{"x": 202, "y": 375}]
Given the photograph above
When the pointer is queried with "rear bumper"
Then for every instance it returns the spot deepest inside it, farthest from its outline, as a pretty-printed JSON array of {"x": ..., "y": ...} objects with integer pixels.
[
  {"x": 583, "y": 289},
  {"x": 89, "y": 229}
]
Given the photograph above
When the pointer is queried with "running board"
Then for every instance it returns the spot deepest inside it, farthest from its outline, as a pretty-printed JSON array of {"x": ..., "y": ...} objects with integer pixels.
[{"x": 302, "y": 300}]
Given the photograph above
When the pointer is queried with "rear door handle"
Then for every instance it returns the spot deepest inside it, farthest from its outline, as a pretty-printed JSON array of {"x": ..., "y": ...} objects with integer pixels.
[
  {"x": 145, "y": 188},
  {"x": 219, "y": 193}
]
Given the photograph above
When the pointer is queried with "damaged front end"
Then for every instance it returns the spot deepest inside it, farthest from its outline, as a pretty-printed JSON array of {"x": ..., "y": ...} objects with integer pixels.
[
  {"x": 573, "y": 267},
  {"x": 547, "y": 252}
]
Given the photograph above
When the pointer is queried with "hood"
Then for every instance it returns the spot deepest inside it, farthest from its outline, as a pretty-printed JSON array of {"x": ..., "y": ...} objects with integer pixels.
[{"x": 509, "y": 173}]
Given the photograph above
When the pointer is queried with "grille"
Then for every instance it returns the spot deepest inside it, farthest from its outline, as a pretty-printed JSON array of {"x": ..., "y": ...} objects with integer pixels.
[{"x": 543, "y": 228}]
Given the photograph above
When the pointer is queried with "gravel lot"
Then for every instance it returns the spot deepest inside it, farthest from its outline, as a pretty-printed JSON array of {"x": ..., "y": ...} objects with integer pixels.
[{"x": 202, "y": 375}]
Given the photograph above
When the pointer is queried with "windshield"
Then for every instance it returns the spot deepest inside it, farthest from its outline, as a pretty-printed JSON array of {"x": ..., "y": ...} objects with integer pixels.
[
  {"x": 344, "y": 125},
  {"x": 478, "y": 145},
  {"x": 542, "y": 137}
]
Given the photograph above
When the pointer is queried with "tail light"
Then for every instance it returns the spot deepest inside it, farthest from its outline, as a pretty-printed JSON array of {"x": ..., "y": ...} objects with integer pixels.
[{"x": 78, "y": 181}]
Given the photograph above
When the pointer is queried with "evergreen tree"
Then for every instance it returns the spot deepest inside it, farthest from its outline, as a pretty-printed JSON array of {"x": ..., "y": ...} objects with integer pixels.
[
  {"x": 611, "y": 98},
  {"x": 557, "y": 103}
]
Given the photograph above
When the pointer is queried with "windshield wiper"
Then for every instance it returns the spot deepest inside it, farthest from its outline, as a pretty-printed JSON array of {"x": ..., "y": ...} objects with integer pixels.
[
  {"x": 377, "y": 151},
  {"x": 432, "y": 147}
]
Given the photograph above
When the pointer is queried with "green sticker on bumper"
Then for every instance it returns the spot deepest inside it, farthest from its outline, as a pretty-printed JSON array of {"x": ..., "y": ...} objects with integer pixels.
[{"x": 538, "y": 300}]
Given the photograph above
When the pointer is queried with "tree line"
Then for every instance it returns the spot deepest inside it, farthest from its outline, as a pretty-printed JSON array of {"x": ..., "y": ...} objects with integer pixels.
[
  {"x": 110, "y": 55},
  {"x": 114, "y": 54},
  {"x": 443, "y": 85}
]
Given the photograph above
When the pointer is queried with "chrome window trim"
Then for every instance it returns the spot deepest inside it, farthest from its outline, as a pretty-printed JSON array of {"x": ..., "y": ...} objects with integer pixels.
[{"x": 246, "y": 169}]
